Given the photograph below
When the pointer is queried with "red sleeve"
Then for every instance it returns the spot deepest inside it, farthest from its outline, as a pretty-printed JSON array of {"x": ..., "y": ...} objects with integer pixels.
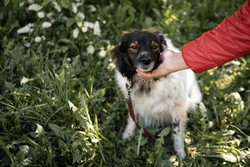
[{"x": 228, "y": 41}]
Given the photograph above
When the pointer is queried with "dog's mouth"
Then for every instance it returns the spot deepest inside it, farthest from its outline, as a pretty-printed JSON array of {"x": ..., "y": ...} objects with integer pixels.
[{"x": 146, "y": 68}]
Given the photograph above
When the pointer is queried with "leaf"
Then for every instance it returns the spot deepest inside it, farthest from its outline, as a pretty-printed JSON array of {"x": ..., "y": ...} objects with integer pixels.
[
  {"x": 57, "y": 130},
  {"x": 9, "y": 85},
  {"x": 46, "y": 2},
  {"x": 32, "y": 142},
  {"x": 165, "y": 163},
  {"x": 63, "y": 3},
  {"x": 5, "y": 148},
  {"x": 164, "y": 132},
  {"x": 70, "y": 22},
  {"x": 100, "y": 92},
  {"x": 15, "y": 3},
  {"x": 77, "y": 156},
  {"x": 6, "y": 2},
  {"x": 64, "y": 148}
]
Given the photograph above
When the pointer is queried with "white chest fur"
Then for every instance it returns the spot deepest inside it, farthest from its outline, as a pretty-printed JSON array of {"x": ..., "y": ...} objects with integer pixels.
[{"x": 167, "y": 97}]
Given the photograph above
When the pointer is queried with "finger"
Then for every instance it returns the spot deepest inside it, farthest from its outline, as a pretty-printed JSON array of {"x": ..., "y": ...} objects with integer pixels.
[
  {"x": 145, "y": 75},
  {"x": 152, "y": 74}
]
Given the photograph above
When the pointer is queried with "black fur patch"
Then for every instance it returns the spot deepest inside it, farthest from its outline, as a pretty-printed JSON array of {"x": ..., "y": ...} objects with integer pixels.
[
  {"x": 144, "y": 88},
  {"x": 176, "y": 124}
]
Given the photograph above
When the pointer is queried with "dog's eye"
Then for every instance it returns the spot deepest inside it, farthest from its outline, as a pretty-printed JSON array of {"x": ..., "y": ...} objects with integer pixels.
[
  {"x": 134, "y": 47},
  {"x": 155, "y": 47}
]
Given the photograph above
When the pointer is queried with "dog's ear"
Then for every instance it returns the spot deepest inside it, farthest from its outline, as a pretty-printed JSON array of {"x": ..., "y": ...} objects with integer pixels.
[
  {"x": 123, "y": 45},
  {"x": 162, "y": 41},
  {"x": 119, "y": 56},
  {"x": 121, "y": 48}
]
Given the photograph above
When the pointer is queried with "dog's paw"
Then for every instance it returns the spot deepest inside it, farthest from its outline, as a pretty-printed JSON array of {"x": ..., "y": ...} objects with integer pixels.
[
  {"x": 179, "y": 149},
  {"x": 180, "y": 153},
  {"x": 127, "y": 135}
]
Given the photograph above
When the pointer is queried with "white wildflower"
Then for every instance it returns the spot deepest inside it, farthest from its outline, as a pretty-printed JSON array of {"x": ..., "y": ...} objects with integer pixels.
[
  {"x": 43, "y": 37},
  {"x": 111, "y": 66},
  {"x": 74, "y": 7},
  {"x": 24, "y": 149},
  {"x": 35, "y": 7},
  {"x": 31, "y": 1},
  {"x": 81, "y": 15},
  {"x": 97, "y": 30},
  {"x": 46, "y": 24},
  {"x": 92, "y": 8},
  {"x": 102, "y": 53},
  {"x": 90, "y": 49},
  {"x": 164, "y": 1},
  {"x": 65, "y": 18},
  {"x": 75, "y": 33},
  {"x": 89, "y": 24},
  {"x": 229, "y": 157},
  {"x": 52, "y": 20},
  {"x": 236, "y": 62},
  {"x": 79, "y": 4},
  {"x": 68, "y": 59},
  {"x": 41, "y": 14},
  {"x": 107, "y": 42},
  {"x": 79, "y": 24},
  {"x": 95, "y": 140},
  {"x": 49, "y": 15},
  {"x": 84, "y": 29},
  {"x": 38, "y": 39},
  {"x": 24, "y": 80},
  {"x": 25, "y": 29},
  {"x": 21, "y": 4},
  {"x": 109, "y": 47},
  {"x": 57, "y": 7},
  {"x": 51, "y": 43},
  {"x": 27, "y": 45}
]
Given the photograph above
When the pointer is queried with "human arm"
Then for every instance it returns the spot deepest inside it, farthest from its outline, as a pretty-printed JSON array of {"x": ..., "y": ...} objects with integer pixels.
[{"x": 228, "y": 41}]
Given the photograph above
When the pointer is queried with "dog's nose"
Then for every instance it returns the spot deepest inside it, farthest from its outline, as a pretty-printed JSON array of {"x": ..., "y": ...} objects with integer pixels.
[{"x": 146, "y": 60}]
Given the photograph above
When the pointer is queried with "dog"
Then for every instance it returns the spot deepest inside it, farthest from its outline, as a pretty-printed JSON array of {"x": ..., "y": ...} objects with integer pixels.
[{"x": 158, "y": 100}]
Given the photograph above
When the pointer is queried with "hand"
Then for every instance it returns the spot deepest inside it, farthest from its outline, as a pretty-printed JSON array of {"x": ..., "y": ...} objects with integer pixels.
[{"x": 172, "y": 62}]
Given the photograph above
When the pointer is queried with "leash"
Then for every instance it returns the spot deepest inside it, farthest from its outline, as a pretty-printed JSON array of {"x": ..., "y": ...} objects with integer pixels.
[{"x": 129, "y": 86}]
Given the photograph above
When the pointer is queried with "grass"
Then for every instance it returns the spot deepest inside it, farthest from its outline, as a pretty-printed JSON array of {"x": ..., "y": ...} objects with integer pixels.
[{"x": 60, "y": 106}]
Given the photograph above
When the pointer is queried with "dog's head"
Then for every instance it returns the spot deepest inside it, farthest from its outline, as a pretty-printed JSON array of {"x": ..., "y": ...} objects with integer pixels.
[{"x": 138, "y": 50}]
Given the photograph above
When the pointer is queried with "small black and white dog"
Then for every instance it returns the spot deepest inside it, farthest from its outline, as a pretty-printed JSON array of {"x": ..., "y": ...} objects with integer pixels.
[{"x": 158, "y": 100}]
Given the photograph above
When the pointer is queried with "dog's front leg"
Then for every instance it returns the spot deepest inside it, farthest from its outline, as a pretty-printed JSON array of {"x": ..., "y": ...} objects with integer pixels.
[
  {"x": 178, "y": 125},
  {"x": 130, "y": 129}
]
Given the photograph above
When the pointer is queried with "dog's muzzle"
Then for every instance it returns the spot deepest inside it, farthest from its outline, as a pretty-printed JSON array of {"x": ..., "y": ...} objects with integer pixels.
[{"x": 145, "y": 62}]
